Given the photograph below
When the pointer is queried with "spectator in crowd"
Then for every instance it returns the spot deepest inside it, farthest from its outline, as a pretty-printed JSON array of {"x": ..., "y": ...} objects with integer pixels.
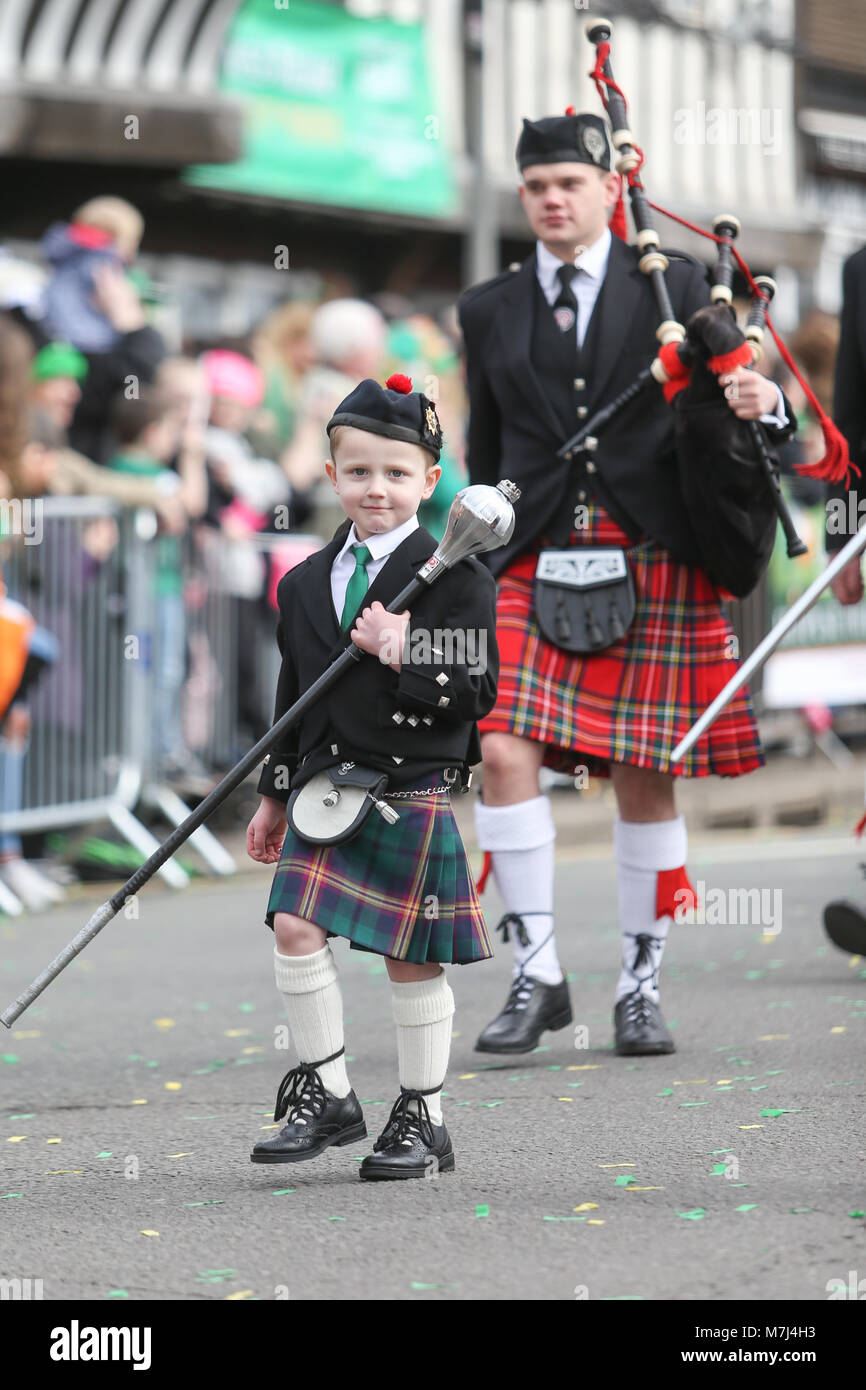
[
  {"x": 28, "y": 650},
  {"x": 148, "y": 433},
  {"x": 57, "y": 370},
  {"x": 247, "y": 495},
  {"x": 283, "y": 349},
  {"x": 91, "y": 302},
  {"x": 349, "y": 339}
]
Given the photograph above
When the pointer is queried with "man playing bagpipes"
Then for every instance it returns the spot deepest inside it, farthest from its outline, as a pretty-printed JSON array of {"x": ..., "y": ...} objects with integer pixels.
[{"x": 611, "y": 631}]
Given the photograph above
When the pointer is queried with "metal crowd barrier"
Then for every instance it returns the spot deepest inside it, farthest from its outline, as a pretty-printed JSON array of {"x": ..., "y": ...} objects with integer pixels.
[{"x": 146, "y": 680}]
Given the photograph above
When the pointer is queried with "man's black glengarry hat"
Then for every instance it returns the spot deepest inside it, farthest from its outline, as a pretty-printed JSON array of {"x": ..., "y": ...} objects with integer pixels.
[
  {"x": 393, "y": 410},
  {"x": 580, "y": 138}
]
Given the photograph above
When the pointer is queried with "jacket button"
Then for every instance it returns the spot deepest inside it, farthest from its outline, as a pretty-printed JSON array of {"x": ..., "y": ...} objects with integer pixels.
[
  {"x": 428, "y": 719},
  {"x": 442, "y": 679},
  {"x": 582, "y": 412},
  {"x": 398, "y": 717},
  {"x": 581, "y": 496},
  {"x": 413, "y": 720},
  {"x": 590, "y": 466},
  {"x": 579, "y": 383},
  {"x": 444, "y": 700}
]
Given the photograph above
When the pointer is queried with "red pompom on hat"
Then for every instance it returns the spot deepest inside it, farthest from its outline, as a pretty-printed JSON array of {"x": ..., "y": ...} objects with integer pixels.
[{"x": 399, "y": 382}]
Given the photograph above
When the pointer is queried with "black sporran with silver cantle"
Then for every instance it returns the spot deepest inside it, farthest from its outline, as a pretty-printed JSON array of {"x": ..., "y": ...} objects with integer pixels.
[
  {"x": 584, "y": 598},
  {"x": 333, "y": 805}
]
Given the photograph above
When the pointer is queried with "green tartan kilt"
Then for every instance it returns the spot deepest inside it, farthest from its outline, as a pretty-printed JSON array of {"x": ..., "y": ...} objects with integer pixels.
[{"x": 404, "y": 890}]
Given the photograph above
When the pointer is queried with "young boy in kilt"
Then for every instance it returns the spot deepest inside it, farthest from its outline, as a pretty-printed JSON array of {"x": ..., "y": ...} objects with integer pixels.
[
  {"x": 548, "y": 343},
  {"x": 402, "y": 890}
]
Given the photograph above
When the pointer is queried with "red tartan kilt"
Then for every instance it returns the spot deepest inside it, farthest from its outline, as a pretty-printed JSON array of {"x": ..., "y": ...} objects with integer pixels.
[{"x": 633, "y": 701}]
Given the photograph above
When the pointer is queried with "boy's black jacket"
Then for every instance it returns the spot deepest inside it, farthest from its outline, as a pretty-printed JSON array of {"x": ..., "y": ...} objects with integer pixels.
[{"x": 356, "y": 715}]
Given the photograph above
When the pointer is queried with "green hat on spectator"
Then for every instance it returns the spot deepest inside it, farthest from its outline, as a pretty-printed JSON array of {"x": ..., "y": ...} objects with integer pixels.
[{"x": 59, "y": 359}]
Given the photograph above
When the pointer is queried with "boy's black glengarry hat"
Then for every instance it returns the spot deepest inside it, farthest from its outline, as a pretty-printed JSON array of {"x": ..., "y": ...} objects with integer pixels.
[
  {"x": 393, "y": 410},
  {"x": 580, "y": 138}
]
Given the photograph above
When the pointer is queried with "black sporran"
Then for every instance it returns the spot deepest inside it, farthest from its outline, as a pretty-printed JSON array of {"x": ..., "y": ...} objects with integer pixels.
[{"x": 584, "y": 598}]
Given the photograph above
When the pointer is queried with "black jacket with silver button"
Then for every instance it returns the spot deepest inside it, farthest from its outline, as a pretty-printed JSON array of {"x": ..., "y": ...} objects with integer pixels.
[{"x": 408, "y": 724}]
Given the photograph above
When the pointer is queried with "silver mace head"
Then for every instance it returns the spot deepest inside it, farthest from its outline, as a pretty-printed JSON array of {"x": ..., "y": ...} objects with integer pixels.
[{"x": 481, "y": 518}]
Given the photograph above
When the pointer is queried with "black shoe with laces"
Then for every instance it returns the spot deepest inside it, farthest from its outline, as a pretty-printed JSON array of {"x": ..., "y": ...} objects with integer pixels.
[
  {"x": 316, "y": 1118},
  {"x": 639, "y": 1027},
  {"x": 410, "y": 1145},
  {"x": 531, "y": 1006}
]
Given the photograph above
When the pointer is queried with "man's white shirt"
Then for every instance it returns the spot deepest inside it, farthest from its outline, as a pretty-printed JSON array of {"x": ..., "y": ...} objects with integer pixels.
[{"x": 586, "y": 287}]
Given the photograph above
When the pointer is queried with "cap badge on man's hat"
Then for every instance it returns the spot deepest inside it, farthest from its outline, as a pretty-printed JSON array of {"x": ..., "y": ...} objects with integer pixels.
[{"x": 594, "y": 143}]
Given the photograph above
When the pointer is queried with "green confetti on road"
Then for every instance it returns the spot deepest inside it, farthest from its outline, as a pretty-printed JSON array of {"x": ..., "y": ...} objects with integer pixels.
[
  {"x": 31, "y": 1116},
  {"x": 800, "y": 1211},
  {"x": 4, "y": 1195},
  {"x": 697, "y": 1215},
  {"x": 106, "y": 1153},
  {"x": 246, "y": 1008},
  {"x": 336, "y": 1218},
  {"x": 281, "y": 1191},
  {"x": 690, "y": 1104},
  {"x": 220, "y": 1203},
  {"x": 624, "y": 1180},
  {"x": 857, "y": 1213},
  {"x": 747, "y": 1206},
  {"x": 416, "y": 1285},
  {"x": 719, "y": 1169},
  {"x": 774, "y": 1114},
  {"x": 118, "y": 1293},
  {"x": 9, "y": 1057},
  {"x": 668, "y": 1091},
  {"x": 482, "y": 1210},
  {"x": 489, "y": 1104}
]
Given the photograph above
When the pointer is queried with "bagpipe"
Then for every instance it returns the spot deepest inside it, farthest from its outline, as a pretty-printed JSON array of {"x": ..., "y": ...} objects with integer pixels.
[{"x": 728, "y": 474}]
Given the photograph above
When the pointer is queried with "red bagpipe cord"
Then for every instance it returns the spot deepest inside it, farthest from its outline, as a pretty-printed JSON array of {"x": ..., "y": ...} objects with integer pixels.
[
  {"x": 836, "y": 465},
  {"x": 861, "y": 825},
  {"x": 674, "y": 893}
]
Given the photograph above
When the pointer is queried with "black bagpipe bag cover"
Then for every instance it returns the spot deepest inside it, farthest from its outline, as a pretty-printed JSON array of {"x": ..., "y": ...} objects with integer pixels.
[{"x": 727, "y": 494}]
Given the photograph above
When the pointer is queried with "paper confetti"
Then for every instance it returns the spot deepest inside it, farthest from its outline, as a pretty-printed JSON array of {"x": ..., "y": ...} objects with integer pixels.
[
  {"x": 587, "y": 1206},
  {"x": 15, "y": 1138},
  {"x": 697, "y": 1215},
  {"x": 163, "y": 1023},
  {"x": 481, "y": 1210},
  {"x": 747, "y": 1206},
  {"x": 118, "y": 1293},
  {"x": 623, "y": 1180},
  {"x": 148, "y": 1233}
]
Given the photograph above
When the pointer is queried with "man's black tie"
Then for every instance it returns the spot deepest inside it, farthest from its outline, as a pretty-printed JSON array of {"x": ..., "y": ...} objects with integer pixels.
[{"x": 565, "y": 274}]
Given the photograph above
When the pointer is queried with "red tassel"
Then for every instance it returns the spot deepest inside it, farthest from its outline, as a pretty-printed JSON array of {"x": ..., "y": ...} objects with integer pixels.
[
  {"x": 836, "y": 465},
  {"x": 617, "y": 221},
  {"x": 481, "y": 881},
  {"x": 729, "y": 361},
  {"x": 674, "y": 893},
  {"x": 672, "y": 388},
  {"x": 861, "y": 825}
]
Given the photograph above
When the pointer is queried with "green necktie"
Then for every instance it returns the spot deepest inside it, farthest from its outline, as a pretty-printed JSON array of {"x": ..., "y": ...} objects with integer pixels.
[{"x": 358, "y": 586}]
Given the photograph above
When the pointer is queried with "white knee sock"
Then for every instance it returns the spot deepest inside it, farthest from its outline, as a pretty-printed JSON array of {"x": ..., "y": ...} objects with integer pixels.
[
  {"x": 423, "y": 1010},
  {"x": 314, "y": 1005},
  {"x": 643, "y": 852},
  {"x": 520, "y": 839}
]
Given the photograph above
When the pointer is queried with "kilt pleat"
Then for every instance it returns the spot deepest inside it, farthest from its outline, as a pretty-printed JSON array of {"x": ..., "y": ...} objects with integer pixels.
[
  {"x": 633, "y": 701},
  {"x": 403, "y": 890}
]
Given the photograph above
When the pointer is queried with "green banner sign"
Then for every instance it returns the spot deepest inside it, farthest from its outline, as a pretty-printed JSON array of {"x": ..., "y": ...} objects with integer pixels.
[{"x": 339, "y": 110}]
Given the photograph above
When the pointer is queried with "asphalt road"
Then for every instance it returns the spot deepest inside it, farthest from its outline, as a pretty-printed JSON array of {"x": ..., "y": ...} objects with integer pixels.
[{"x": 134, "y": 1088}]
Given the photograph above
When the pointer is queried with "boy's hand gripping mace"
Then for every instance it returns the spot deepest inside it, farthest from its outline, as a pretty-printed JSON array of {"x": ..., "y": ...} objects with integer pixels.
[{"x": 481, "y": 519}]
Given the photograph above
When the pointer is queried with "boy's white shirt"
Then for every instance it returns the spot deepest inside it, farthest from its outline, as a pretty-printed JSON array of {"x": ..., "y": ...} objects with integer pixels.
[{"x": 380, "y": 547}]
